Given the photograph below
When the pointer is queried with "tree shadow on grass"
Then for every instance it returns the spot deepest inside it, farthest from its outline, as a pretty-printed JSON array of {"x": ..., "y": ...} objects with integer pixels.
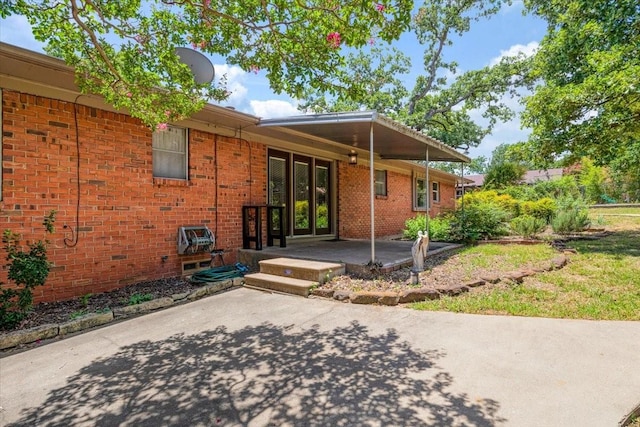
[
  {"x": 265, "y": 375},
  {"x": 616, "y": 243}
]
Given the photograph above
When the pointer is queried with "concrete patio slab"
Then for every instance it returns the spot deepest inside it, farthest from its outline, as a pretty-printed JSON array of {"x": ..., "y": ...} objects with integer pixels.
[
  {"x": 355, "y": 254},
  {"x": 249, "y": 358}
]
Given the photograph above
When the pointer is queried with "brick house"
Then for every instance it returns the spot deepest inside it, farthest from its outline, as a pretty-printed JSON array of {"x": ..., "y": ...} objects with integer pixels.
[{"x": 121, "y": 191}]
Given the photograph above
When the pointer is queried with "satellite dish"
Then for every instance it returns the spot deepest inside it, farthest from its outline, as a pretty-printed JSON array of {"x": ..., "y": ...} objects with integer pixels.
[{"x": 201, "y": 67}]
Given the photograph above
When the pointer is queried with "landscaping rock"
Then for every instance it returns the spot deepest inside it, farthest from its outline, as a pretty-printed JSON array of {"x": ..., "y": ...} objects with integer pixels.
[
  {"x": 180, "y": 297},
  {"x": 364, "y": 297},
  {"x": 528, "y": 273},
  {"x": 341, "y": 295},
  {"x": 324, "y": 293},
  {"x": 210, "y": 289},
  {"x": 491, "y": 278},
  {"x": 388, "y": 298},
  {"x": 516, "y": 276},
  {"x": 455, "y": 290},
  {"x": 475, "y": 283},
  {"x": 85, "y": 322},
  {"x": 238, "y": 281},
  {"x": 143, "y": 307},
  {"x": 559, "y": 262},
  {"x": 416, "y": 295},
  {"x": 16, "y": 338}
]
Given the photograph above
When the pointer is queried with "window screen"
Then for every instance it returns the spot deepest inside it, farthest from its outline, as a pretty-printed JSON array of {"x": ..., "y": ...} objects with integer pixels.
[{"x": 170, "y": 153}]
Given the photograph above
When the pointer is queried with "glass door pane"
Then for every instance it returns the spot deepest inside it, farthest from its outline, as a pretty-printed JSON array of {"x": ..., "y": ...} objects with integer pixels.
[
  {"x": 322, "y": 190},
  {"x": 277, "y": 186},
  {"x": 302, "y": 195}
]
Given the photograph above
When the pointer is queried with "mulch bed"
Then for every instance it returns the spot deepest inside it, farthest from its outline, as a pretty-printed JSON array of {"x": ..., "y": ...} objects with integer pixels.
[{"x": 63, "y": 311}]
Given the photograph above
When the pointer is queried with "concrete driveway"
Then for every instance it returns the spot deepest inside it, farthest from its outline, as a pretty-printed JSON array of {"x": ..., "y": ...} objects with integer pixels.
[{"x": 246, "y": 358}]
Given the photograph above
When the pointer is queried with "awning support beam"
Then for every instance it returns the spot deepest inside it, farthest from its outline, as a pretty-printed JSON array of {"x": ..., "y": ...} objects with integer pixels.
[{"x": 373, "y": 197}]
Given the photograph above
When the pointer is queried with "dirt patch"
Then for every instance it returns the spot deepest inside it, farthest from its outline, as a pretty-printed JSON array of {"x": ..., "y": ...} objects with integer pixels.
[{"x": 442, "y": 271}]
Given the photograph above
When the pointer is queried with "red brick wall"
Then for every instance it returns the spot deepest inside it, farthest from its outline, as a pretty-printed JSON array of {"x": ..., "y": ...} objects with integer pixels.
[
  {"x": 128, "y": 220},
  {"x": 447, "y": 201},
  {"x": 391, "y": 211}
]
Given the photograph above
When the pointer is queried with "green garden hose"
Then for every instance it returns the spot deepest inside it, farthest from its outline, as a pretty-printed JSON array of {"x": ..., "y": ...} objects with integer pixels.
[{"x": 217, "y": 274}]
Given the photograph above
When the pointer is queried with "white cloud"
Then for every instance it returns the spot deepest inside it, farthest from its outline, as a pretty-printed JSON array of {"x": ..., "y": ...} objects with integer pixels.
[
  {"x": 508, "y": 132},
  {"x": 504, "y": 132},
  {"x": 274, "y": 108},
  {"x": 235, "y": 83},
  {"x": 16, "y": 30},
  {"x": 528, "y": 50}
]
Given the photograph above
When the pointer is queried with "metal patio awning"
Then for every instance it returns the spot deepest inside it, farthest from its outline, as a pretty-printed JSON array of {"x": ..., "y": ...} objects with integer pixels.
[
  {"x": 392, "y": 140},
  {"x": 375, "y": 133}
]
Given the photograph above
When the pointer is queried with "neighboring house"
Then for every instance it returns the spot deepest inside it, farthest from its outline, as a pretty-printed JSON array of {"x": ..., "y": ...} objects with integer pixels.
[
  {"x": 121, "y": 191},
  {"x": 529, "y": 178}
]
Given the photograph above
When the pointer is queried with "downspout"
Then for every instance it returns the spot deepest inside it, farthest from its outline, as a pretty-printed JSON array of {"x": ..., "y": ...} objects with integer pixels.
[{"x": 373, "y": 190}]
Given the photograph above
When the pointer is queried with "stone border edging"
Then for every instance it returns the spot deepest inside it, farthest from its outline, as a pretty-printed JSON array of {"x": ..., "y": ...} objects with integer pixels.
[
  {"x": 631, "y": 416},
  {"x": 91, "y": 320},
  {"x": 423, "y": 294}
]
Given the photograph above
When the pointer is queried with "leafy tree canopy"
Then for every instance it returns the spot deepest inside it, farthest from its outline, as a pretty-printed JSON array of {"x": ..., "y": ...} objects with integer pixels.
[
  {"x": 441, "y": 98},
  {"x": 588, "y": 67},
  {"x": 504, "y": 169},
  {"x": 125, "y": 50},
  {"x": 478, "y": 165}
]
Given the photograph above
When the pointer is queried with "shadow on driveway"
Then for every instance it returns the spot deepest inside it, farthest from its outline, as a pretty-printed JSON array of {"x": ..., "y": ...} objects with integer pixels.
[{"x": 265, "y": 375}]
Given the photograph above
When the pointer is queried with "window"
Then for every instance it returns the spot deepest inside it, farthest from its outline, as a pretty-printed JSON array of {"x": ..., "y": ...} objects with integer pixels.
[
  {"x": 435, "y": 191},
  {"x": 420, "y": 195},
  {"x": 381, "y": 183},
  {"x": 170, "y": 153}
]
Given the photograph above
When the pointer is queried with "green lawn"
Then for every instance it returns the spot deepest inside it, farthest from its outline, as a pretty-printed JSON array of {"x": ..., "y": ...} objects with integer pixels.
[{"x": 602, "y": 281}]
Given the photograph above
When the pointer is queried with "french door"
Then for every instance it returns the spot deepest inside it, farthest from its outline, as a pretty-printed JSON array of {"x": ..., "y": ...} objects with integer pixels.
[{"x": 301, "y": 184}]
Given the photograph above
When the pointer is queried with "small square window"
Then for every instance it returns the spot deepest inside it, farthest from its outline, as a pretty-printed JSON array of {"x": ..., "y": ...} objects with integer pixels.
[
  {"x": 381, "y": 183},
  {"x": 435, "y": 191},
  {"x": 170, "y": 153}
]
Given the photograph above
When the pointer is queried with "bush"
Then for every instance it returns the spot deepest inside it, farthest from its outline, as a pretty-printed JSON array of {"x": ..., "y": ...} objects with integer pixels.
[
  {"x": 543, "y": 209},
  {"x": 527, "y": 226},
  {"x": 439, "y": 227},
  {"x": 413, "y": 225},
  {"x": 27, "y": 268},
  {"x": 571, "y": 221},
  {"x": 504, "y": 201},
  {"x": 556, "y": 188},
  {"x": 479, "y": 221}
]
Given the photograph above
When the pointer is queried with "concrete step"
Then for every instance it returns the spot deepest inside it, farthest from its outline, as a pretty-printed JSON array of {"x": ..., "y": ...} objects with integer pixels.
[
  {"x": 272, "y": 282},
  {"x": 315, "y": 271}
]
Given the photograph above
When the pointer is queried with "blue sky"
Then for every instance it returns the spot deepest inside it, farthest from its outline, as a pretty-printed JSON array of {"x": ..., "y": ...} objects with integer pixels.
[{"x": 506, "y": 33}]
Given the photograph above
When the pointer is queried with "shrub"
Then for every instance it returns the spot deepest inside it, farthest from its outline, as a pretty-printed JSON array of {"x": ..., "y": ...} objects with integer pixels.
[
  {"x": 27, "y": 269},
  {"x": 413, "y": 225},
  {"x": 556, "y": 189},
  {"x": 543, "y": 209},
  {"x": 571, "y": 221},
  {"x": 440, "y": 229},
  {"x": 527, "y": 226},
  {"x": 503, "y": 201},
  {"x": 478, "y": 221}
]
